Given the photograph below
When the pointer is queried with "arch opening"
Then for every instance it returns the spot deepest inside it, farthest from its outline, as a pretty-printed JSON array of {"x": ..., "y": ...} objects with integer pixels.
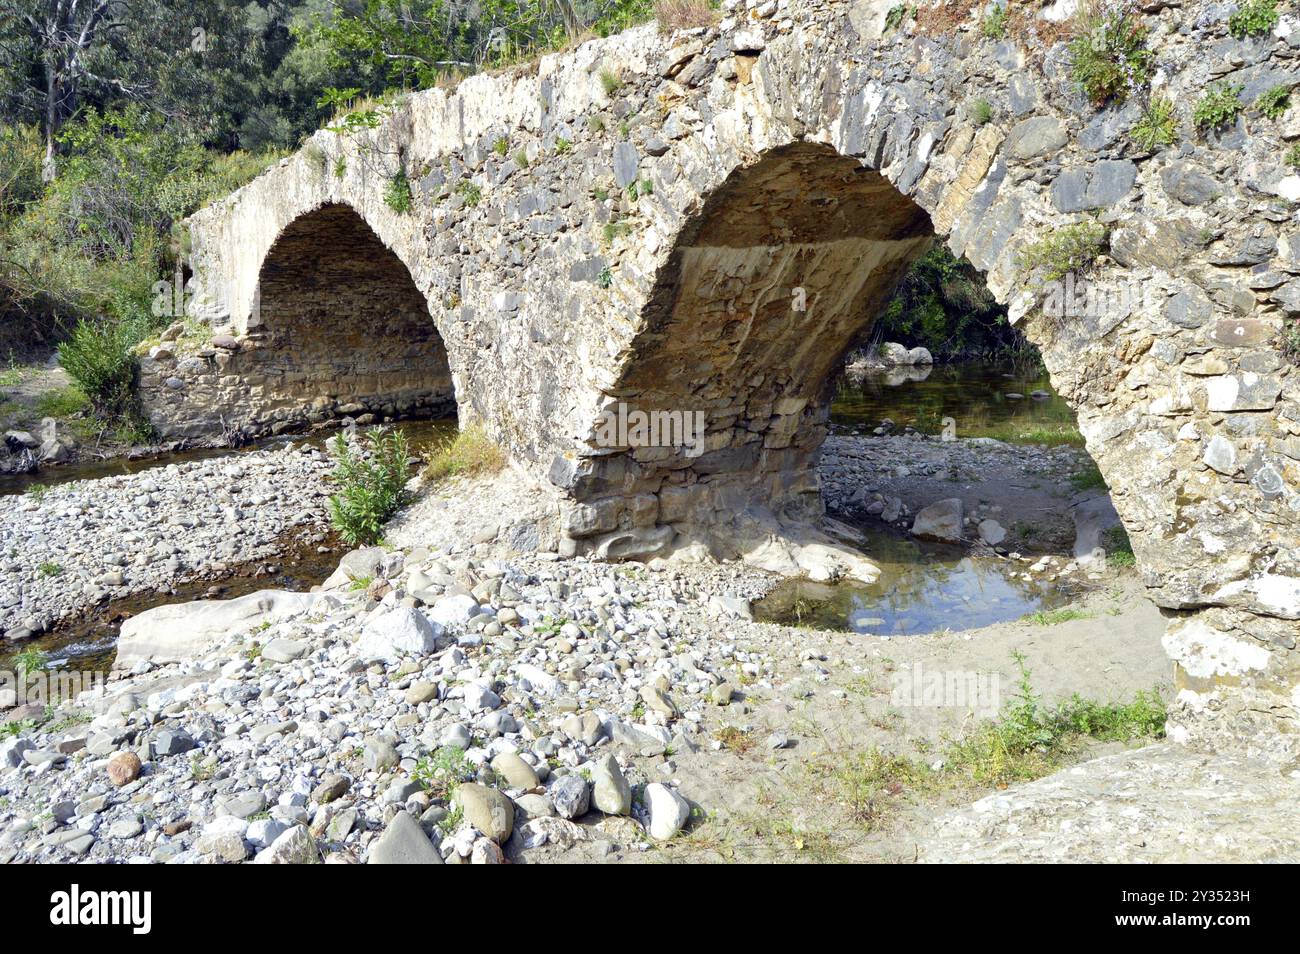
[{"x": 339, "y": 329}]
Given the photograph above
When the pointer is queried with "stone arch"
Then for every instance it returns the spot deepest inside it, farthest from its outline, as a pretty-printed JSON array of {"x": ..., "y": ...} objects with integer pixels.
[
  {"x": 343, "y": 327},
  {"x": 766, "y": 288},
  {"x": 334, "y": 326}
]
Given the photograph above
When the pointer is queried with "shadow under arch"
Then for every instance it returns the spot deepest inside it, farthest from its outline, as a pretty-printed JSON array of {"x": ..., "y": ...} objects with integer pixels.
[{"x": 342, "y": 329}]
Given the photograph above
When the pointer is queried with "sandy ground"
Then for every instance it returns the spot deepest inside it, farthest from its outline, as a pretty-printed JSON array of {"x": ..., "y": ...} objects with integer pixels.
[{"x": 835, "y": 700}]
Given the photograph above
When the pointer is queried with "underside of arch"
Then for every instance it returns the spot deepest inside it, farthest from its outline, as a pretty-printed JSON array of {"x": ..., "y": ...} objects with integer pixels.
[{"x": 781, "y": 272}]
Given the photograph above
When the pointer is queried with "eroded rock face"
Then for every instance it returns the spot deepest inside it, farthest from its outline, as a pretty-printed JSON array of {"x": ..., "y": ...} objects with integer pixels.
[{"x": 708, "y": 240}]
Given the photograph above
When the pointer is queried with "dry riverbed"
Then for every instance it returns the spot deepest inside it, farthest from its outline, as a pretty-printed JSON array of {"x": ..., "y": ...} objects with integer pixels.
[
  {"x": 578, "y": 711},
  {"x": 77, "y": 545}
]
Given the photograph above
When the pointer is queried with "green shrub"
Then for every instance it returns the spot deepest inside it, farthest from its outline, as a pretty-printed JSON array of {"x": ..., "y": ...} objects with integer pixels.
[
  {"x": 501, "y": 146},
  {"x": 340, "y": 167},
  {"x": 981, "y": 112},
  {"x": 99, "y": 356},
  {"x": 1108, "y": 56},
  {"x": 1218, "y": 107},
  {"x": 1274, "y": 102},
  {"x": 1292, "y": 156},
  {"x": 1071, "y": 248},
  {"x": 469, "y": 192},
  {"x": 398, "y": 194},
  {"x": 1253, "y": 18},
  {"x": 895, "y": 17},
  {"x": 610, "y": 82},
  {"x": 371, "y": 474},
  {"x": 562, "y": 146},
  {"x": 30, "y": 660},
  {"x": 1157, "y": 127},
  {"x": 994, "y": 25}
]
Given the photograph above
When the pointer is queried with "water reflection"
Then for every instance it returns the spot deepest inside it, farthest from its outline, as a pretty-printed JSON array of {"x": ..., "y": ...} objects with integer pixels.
[
  {"x": 983, "y": 398},
  {"x": 923, "y": 588}
]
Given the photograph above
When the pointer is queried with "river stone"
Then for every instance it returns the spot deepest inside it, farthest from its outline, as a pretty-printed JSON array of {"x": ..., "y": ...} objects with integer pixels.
[
  {"x": 293, "y": 847},
  {"x": 611, "y": 793},
  {"x": 488, "y": 810},
  {"x": 404, "y": 843},
  {"x": 284, "y": 650},
  {"x": 571, "y": 796},
  {"x": 404, "y": 631},
  {"x": 181, "y": 631},
  {"x": 123, "y": 768},
  {"x": 418, "y": 692},
  {"x": 516, "y": 772},
  {"x": 992, "y": 532},
  {"x": 668, "y": 811},
  {"x": 939, "y": 521}
]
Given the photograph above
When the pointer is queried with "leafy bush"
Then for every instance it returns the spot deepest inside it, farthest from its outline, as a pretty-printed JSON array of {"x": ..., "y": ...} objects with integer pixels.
[
  {"x": 371, "y": 474},
  {"x": 1272, "y": 103},
  {"x": 1218, "y": 107},
  {"x": 1253, "y": 18},
  {"x": 943, "y": 303},
  {"x": 1071, "y": 248},
  {"x": 100, "y": 356},
  {"x": 1157, "y": 126},
  {"x": 1108, "y": 56},
  {"x": 895, "y": 17},
  {"x": 398, "y": 194}
]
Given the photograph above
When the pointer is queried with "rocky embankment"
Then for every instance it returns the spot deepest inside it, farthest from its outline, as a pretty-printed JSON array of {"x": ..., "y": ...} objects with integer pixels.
[
  {"x": 329, "y": 726},
  {"x": 79, "y": 544}
]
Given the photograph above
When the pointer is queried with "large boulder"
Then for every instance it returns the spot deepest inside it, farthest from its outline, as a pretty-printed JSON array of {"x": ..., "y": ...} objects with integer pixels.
[
  {"x": 940, "y": 521},
  {"x": 181, "y": 631},
  {"x": 402, "y": 632}
]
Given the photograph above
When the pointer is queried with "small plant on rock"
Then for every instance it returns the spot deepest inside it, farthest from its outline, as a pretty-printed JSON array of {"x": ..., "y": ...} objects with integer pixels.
[
  {"x": 1157, "y": 127},
  {"x": 469, "y": 191},
  {"x": 994, "y": 24},
  {"x": 1253, "y": 18},
  {"x": 1292, "y": 156},
  {"x": 610, "y": 82},
  {"x": 895, "y": 17},
  {"x": 1072, "y": 248},
  {"x": 442, "y": 771},
  {"x": 1273, "y": 103},
  {"x": 398, "y": 194},
  {"x": 981, "y": 111},
  {"x": 1108, "y": 55},
  {"x": 371, "y": 474},
  {"x": 1218, "y": 107},
  {"x": 501, "y": 146}
]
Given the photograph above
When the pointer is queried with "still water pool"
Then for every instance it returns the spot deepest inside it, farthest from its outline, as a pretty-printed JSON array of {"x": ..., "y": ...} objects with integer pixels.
[{"x": 923, "y": 588}]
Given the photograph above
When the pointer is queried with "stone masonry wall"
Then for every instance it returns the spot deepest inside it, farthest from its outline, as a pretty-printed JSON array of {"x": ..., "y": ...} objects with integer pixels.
[
  {"x": 628, "y": 222},
  {"x": 339, "y": 330}
]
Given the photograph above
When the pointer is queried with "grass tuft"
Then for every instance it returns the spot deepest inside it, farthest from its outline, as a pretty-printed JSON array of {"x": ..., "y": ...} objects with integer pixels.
[{"x": 469, "y": 453}]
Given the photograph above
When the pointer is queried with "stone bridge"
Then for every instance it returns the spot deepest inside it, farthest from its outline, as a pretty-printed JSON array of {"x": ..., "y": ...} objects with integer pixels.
[{"x": 705, "y": 223}]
